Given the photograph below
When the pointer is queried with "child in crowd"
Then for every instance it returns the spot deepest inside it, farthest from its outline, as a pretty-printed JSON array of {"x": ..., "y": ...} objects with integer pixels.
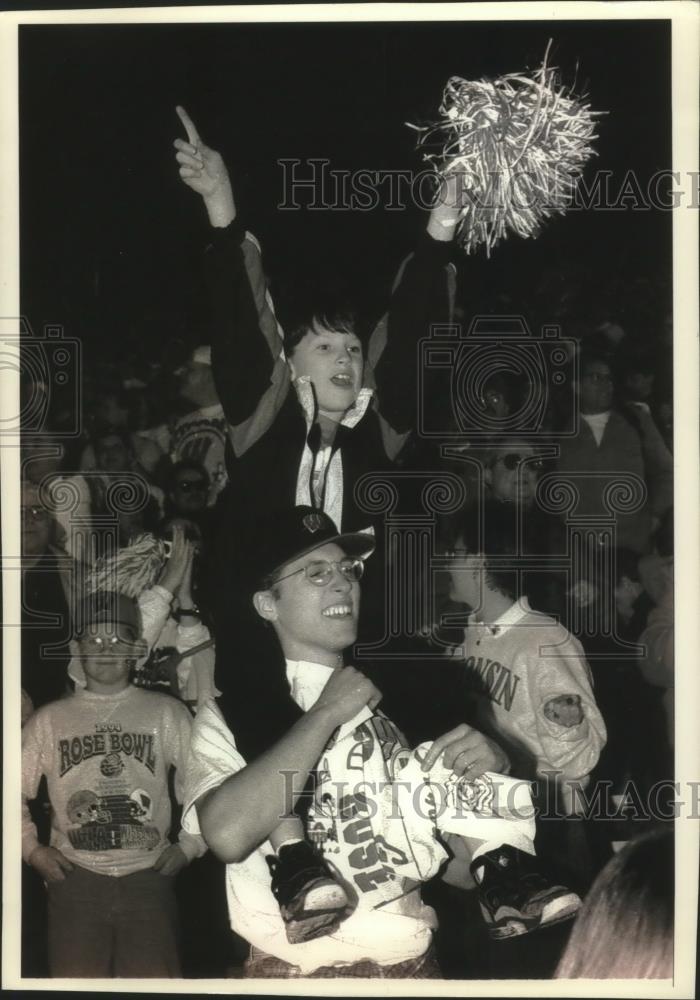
[
  {"x": 106, "y": 752},
  {"x": 526, "y": 673}
]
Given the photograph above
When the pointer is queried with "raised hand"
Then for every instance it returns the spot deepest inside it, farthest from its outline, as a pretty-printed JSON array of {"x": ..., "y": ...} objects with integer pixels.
[
  {"x": 450, "y": 206},
  {"x": 204, "y": 170},
  {"x": 176, "y": 565}
]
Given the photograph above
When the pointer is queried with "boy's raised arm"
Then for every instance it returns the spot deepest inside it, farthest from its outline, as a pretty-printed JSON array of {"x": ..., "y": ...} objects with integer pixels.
[
  {"x": 423, "y": 295},
  {"x": 245, "y": 338}
]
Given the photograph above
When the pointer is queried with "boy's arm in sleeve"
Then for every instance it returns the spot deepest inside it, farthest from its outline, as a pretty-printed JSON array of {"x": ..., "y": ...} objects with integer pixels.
[
  {"x": 423, "y": 296},
  {"x": 570, "y": 728},
  {"x": 246, "y": 340}
]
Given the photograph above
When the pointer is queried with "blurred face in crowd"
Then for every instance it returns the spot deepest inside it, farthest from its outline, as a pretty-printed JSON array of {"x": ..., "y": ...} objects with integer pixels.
[
  {"x": 334, "y": 363},
  {"x": 626, "y": 593},
  {"x": 36, "y": 522},
  {"x": 110, "y": 412},
  {"x": 41, "y": 457},
  {"x": 495, "y": 403},
  {"x": 596, "y": 387},
  {"x": 107, "y": 654},
  {"x": 196, "y": 383},
  {"x": 112, "y": 454},
  {"x": 314, "y": 621},
  {"x": 639, "y": 385},
  {"x": 189, "y": 492},
  {"x": 513, "y": 473}
]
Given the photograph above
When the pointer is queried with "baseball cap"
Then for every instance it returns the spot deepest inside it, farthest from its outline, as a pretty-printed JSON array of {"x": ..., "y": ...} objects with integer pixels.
[
  {"x": 107, "y": 606},
  {"x": 297, "y": 530}
]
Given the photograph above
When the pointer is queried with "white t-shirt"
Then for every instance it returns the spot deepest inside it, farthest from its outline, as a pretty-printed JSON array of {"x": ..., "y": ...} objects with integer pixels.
[
  {"x": 597, "y": 422},
  {"x": 390, "y": 923},
  {"x": 106, "y": 758}
]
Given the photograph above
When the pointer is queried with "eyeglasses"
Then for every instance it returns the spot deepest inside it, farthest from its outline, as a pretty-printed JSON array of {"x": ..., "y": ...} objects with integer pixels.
[
  {"x": 191, "y": 486},
  {"x": 35, "y": 513},
  {"x": 512, "y": 460},
  {"x": 320, "y": 571}
]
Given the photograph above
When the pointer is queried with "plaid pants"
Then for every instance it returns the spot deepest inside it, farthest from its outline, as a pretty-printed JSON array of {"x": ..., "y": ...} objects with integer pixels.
[{"x": 262, "y": 966}]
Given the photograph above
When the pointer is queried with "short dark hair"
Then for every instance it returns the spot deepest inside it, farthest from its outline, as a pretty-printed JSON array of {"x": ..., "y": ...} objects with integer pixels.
[
  {"x": 493, "y": 535},
  {"x": 595, "y": 356},
  {"x": 340, "y": 319}
]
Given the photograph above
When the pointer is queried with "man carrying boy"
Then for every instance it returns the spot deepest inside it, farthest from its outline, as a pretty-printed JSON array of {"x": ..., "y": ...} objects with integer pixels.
[
  {"x": 375, "y": 806},
  {"x": 106, "y": 752},
  {"x": 310, "y": 411}
]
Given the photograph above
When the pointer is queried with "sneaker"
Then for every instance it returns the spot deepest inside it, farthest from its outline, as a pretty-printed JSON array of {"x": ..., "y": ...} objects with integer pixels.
[
  {"x": 311, "y": 900},
  {"x": 516, "y": 897}
]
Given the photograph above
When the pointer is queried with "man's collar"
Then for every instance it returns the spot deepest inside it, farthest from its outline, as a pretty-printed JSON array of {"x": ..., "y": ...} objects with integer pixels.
[
  {"x": 510, "y": 617},
  {"x": 353, "y": 414}
]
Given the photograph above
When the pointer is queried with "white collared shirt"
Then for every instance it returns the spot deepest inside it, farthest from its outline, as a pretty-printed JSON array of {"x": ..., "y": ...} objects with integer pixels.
[
  {"x": 326, "y": 469},
  {"x": 398, "y": 931}
]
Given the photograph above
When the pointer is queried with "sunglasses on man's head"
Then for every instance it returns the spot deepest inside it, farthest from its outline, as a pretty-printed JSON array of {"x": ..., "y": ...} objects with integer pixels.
[
  {"x": 512, "y": 461},
  {"x": 320, "y": 571}
]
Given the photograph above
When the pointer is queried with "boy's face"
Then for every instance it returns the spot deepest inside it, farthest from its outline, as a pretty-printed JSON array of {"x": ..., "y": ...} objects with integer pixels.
[
  {"x": 312, "y": 622},
  {"x": 111, "y": 454},
  {"x": 194, "y": 378},
  {"x": 190, "y": 491},
  {"x": 334, "y": 363},
  {"x": 107, "y": 653},
  {"x": 596, "y": 388}
]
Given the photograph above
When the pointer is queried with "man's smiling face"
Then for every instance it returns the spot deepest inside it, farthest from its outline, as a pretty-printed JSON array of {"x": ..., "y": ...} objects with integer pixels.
[
  {"x": 334, "y": 363},
  {"x": 314, "y": 623}
]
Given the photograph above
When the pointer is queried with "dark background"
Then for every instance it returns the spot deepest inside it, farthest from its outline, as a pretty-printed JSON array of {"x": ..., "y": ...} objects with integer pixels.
[{"x": 111, "y": 239}]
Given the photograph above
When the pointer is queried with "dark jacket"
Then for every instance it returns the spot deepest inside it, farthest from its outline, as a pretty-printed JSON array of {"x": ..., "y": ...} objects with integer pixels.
[
  {"x": 267, "y": 424},
  {"x": 267, "y": 430},
  {"x": 631, "y": 445}
]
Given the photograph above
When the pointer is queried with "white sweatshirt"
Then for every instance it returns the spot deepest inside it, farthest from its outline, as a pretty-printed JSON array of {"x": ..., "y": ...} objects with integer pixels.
[{"x": 106, "y": 759}]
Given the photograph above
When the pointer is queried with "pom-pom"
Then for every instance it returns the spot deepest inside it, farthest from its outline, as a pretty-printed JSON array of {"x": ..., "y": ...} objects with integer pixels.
[
  {"x": 130, "y": 570},
  {"x": 521, "y": 143}
]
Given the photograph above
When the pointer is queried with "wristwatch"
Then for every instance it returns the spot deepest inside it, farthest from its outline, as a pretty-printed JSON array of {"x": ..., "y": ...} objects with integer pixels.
[{"x": 193, "y": 612}]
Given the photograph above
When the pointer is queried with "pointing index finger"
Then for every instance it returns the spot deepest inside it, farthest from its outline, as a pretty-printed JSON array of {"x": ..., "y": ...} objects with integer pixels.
[{"x": 190, "y": 128}]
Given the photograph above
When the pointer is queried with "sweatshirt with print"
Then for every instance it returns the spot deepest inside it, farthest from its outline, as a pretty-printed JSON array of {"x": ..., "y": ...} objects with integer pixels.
[
  {"x": 106, "y": 759},
  {"x": 533, "y": 691}
]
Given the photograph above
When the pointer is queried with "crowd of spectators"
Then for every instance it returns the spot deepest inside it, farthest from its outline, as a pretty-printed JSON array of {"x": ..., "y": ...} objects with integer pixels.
[{"x": 603, "y": 567}]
